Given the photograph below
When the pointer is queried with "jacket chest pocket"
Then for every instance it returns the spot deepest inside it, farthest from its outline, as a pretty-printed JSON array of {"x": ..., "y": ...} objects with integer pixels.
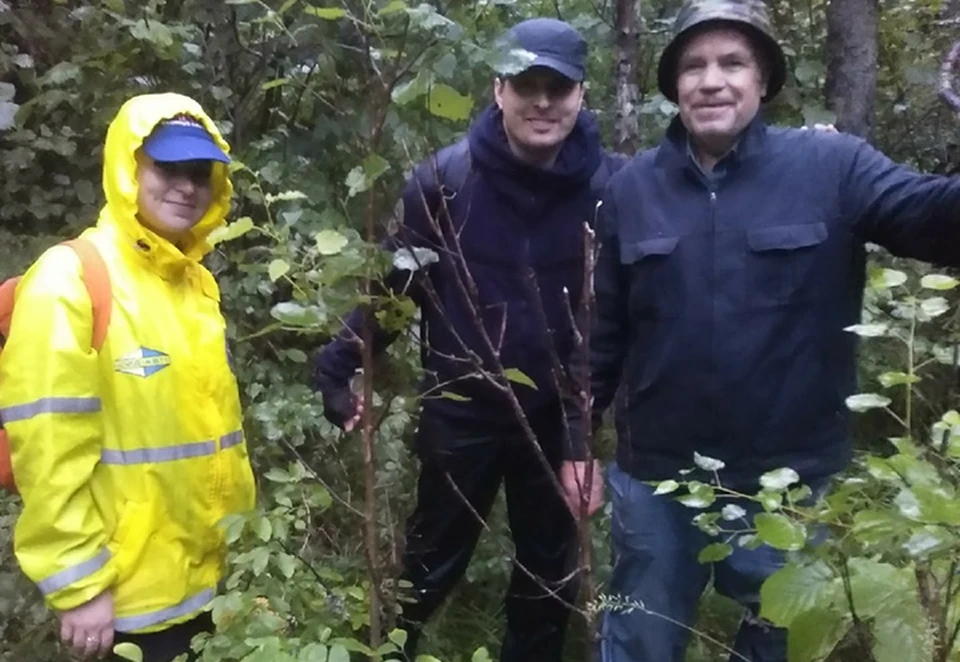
[
  {"x": 782, "y": 264},
  {"x": 648, "y": 266}
]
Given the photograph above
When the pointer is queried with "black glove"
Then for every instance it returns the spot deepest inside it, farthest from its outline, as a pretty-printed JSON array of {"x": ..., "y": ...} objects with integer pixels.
[
  {"x": 339, "y": 402},
  {"x": 339, "y": 405}
]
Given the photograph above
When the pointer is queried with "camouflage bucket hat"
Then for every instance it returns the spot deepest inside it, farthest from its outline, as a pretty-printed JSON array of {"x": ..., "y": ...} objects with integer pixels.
[{"x": 748, "y": 15}]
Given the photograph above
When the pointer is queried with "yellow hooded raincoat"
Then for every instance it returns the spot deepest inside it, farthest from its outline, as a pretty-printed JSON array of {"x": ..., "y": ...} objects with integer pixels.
[{"x": 127, "y": 458}]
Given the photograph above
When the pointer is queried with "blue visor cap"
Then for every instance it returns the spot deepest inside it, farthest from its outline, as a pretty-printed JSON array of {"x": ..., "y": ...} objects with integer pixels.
[
  {"x": 183, "y": 140},
  {"x": 556, "y": 45}
]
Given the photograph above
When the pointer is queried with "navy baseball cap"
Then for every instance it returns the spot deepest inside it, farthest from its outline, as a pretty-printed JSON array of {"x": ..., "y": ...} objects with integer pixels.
[
  {"x": 552, "y": 43},
  {"x": 183, "y": 139}
]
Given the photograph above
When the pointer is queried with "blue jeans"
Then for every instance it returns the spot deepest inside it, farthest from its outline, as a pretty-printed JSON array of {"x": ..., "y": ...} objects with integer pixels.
[{"x": 655, "y": 547}]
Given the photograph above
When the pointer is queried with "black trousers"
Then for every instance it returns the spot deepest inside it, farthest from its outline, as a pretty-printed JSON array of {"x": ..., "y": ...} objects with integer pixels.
[
  {"x": 165, "y": 645},
  {"x": 443, "y": 532}
]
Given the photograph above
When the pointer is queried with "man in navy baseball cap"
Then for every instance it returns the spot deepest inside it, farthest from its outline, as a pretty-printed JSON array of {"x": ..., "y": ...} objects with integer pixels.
[
  {"x": 183, "y": 139},
  {"x": 516, "y": 190}
]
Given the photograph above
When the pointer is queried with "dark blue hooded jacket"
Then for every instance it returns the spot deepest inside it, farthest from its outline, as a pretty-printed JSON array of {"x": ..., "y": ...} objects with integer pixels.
[
  {"x": 520, "y": 229},
  {"x": 722, "y": 305}
]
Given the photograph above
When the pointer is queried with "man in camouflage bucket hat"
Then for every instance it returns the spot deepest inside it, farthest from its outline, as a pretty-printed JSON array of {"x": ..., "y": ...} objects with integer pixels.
[{"x": 732, "y": 259}]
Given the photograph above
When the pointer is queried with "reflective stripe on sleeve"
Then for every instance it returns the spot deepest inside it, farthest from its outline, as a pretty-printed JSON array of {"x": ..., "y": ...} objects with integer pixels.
[
  {"x": 141, "y": 621},
  {"x": 49, "y": 406},
  {"x": 73, "y": 574}
]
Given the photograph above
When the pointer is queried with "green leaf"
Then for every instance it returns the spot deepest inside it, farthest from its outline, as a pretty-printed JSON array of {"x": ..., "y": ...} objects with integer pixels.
[
  {"x": 286, "y": 196},
  {"x": 128, "y": 651},
  {"x": 934, "y": 306},
  {"x": 795, "y": 589},
  {"x": 889, "y": 379},
  {"x": 814, "y": 634},
  {"x": 263, "y": 529},
  {"x": 287, "y": 564},
  {"x": 338, "y": 653},
  {"x": 938, "y": 282},
  {"x": 666, "y": 487},
  {"x": 427, "y": 17},
  {"x": 278, "y": 268},
  {"x": 779, "y": 479},
  {"x": 427, "y": 658},
  {"x": 707, "y": 522},
  {"x": 330, "y": 242},
  {"x": 881, "y": 279},
  {"x": 780, "y": 531},
  {"x": 399, "y": 637},
  {"x": 869, "y": 330},
  {"x": 153, "y": 31},
  {"x": 327, "y": 14},
  {"x": 296, "y": 355},
  {"x": 715, "y": 552},
  {"x": 456, "y": 397},
  {"x": 412, "y": 89},
  {"x": 707, "y": 463},
  {"x": 481, "y": 655},
  {"x": 278, "y": 475},
  {"x": 260, "y": 557},
  {"x": 519, "y": 377},
  {"x": 352, "y": 645},
  {"x": 294, "y": 314},
  {"x": 363, "y": 176},
  {"x": 419, "y": 258},
  {"x": 8, "y": 115},
  {"x": 867, "y": 401},
  {"x": 313, "y": 653},
  {"x": 732, "y": 512},
  {"x": 700, "y": 495},
  {"x": 444, "y": 101},
  {"x": 276, "y": 82},
  {"x": 392, "y": 7},
  {"x": 231, "y": 231},
  {"x": 888, "y": 595}
]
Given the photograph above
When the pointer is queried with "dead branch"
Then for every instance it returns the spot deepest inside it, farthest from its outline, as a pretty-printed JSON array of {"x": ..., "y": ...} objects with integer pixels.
[{"x": 947, "y": 69}]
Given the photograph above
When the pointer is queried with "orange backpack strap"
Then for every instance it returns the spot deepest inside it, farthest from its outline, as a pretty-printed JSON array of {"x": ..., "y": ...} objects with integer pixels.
[
  {"x": 8, "y": 290},
  {"x": 97, "y": 279}
]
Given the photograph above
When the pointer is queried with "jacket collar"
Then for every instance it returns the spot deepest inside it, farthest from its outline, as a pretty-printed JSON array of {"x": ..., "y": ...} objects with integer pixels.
[{"x": 673, "y": 152}]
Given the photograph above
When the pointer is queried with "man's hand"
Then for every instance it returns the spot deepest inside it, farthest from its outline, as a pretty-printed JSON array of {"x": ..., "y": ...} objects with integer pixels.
[
  {"x": 573, "y": 478},
  {"x": 342, "y": 408},
  {"x": 88, "y": 629}
]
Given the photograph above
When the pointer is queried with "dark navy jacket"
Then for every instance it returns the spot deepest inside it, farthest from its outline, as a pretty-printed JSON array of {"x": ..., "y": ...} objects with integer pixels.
[
  {"x": 520, "y": 229},
  {"x": 721, "y": 306}
]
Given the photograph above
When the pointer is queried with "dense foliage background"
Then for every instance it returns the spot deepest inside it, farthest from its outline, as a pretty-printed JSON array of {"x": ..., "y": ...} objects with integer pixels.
[{"x": 327, "y": 105}]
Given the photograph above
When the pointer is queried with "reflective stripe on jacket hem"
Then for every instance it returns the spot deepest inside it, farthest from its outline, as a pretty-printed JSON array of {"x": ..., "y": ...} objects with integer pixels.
[
  {"x": 192, "y": 604},
  {"x": 169, "y": 453},
  {"x": 73, "y": 574},
  {"x": 49, "y": 406}
]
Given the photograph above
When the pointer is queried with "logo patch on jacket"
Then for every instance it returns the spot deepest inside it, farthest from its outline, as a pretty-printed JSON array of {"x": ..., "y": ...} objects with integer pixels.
[{"x": 143, "y": 362}]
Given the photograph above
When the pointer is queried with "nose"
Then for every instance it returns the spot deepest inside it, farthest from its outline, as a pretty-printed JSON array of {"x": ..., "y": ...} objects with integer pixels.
[
  {"x": 541, "y": 98},
  {"x": 712, "y": 78},
  {"x": 184, "y": 184}
]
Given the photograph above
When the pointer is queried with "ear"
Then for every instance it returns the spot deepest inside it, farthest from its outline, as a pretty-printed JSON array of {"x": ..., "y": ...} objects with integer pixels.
[
  {"x": 498, "y": 91},
  {"x": 583, "y": 94}
]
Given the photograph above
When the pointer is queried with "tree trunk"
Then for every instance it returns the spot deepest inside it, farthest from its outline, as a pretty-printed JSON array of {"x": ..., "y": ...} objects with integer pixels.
[
  {"x": 626, "y": 28},
  {"x": 852, "y": 63}
]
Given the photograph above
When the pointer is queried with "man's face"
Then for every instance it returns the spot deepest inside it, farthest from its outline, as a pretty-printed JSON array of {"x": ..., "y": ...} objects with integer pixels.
[
  {"x": 172, "y": 197},
  {"x": 540, "y": 108},
  {"x": 719, "y": 85}
]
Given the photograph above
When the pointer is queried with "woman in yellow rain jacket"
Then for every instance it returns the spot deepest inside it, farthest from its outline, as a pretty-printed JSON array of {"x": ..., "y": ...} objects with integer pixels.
[{"x": 127, "y": 458}]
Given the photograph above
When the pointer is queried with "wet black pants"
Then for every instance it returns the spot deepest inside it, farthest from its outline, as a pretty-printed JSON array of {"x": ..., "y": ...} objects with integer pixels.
[
  {"x": 443, "y": 530},
  {"x": 166, "y": 645}
]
